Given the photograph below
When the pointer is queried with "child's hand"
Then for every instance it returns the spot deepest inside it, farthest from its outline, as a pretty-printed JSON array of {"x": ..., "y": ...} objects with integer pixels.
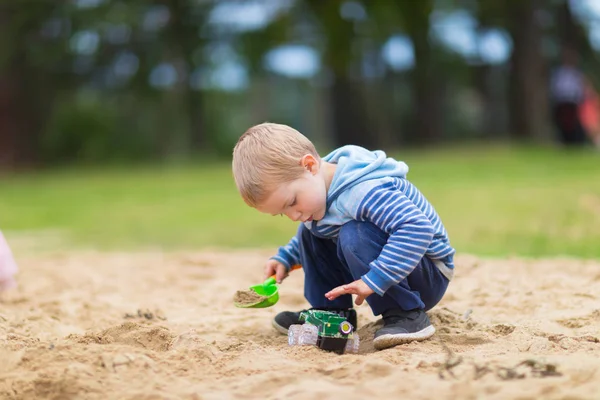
[
  {"x": 273, "y": 267},
  {"x": 358, "y": 287},
  {"x": 8, "y": 267}
]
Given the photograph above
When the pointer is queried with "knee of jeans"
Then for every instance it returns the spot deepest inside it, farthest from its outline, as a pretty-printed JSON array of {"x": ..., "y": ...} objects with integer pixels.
[
  {"x": 356, "y": 236},
  {"x": 348, "y": 236}
]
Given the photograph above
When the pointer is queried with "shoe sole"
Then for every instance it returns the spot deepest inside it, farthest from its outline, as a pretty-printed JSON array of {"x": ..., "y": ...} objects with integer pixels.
[
  {"x": 279, "y": 328},
  {"x": 385, "y": 341}
]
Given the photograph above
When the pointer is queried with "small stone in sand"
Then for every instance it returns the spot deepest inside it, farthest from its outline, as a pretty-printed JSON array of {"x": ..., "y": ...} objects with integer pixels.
[{"x": 247, "y": 297}]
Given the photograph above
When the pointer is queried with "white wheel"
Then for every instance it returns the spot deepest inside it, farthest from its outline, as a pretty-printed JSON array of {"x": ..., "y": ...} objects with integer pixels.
[
  {"x": 294, "y": 334},
  {"x": 308, "y": 335},
  {"x": 352, "y": 344}
]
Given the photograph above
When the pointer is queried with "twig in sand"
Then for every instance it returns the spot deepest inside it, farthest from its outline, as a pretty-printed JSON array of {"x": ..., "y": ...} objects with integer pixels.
[
  {"x": 452, "y": 360},
  {"x": 538, "y": 369},
  {"x": 147, "y": 314},
  {"x": 467, "y": 314},
  {"x": 481, "y": 371},
  {"x": 509, "y": 374}
]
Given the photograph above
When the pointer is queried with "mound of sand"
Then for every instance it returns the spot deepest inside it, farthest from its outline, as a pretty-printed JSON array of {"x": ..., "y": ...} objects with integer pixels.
[{"x": 162, "y": 326}]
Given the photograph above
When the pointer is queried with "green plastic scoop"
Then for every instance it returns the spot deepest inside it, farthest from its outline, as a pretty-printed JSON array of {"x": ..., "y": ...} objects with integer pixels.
[{"x": 260, "y": 296}]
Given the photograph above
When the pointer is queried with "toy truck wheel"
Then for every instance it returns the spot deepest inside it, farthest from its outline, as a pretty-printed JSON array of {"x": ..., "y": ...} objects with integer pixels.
[
  {"x": 294, "y": 334},
  {"x": 352, "y": 344},
  {"x": 308, "y": 335}
]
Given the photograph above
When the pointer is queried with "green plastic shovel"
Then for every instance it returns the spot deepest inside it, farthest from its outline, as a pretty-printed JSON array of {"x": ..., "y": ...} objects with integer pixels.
[{"x": 266, "y": 294}]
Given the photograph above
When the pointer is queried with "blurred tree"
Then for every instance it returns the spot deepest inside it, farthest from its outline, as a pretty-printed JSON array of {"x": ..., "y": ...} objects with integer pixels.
[
  {"x": 529, "y": 75},
  {"x": 184, "y": 44},
  {"x": 254, "y": 45},
  {"x": 30, "y": 70},
  {"x": 490, "y": 15},
  {"x": 95, "y": 80},
  {"x": 573, "y": 34},
  {"x": 426, "y": 123},
  {"x": 427, "y": 82},
  {"x": 341, "y": 55}
]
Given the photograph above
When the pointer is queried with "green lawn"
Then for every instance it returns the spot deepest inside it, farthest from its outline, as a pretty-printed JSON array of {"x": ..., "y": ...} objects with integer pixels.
[{"x": 500, "y": 201}]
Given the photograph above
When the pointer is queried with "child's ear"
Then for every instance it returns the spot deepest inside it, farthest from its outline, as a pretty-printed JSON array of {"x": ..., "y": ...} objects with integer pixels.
[{"x": 311, "y": 164}]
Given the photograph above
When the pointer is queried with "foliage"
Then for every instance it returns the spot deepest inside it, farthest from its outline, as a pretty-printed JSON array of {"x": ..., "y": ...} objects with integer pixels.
[{"x": 55, "y": 56}]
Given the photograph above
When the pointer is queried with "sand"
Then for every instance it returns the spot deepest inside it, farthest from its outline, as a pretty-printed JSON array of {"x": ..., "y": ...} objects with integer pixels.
[
  {"x": 93, "y": 325},
  {"x": 245, "y": 298}
]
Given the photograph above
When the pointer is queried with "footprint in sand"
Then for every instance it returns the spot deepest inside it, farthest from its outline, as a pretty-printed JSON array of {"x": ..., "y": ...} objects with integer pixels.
[
  {"x": 194, "y": 340},
  {"x": 502, "y": 329},
  {"x": 580, "y": 322},
  {"x": 587, "y": 342},
  {"x": 132, "y": 334},
  {"x": 448, "y": 321},
  {"x": 464, "y": 339}
]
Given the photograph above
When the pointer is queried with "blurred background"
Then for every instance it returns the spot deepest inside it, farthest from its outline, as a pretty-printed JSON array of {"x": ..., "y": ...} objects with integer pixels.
[{"x": 117, "y": 118}]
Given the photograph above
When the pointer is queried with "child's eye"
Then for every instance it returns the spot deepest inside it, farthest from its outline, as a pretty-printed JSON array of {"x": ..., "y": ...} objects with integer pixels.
[{"x": 293, "y": 203}]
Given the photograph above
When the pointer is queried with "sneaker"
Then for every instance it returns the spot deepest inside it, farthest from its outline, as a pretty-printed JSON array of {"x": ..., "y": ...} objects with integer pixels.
[
  {"x": 401, "y": 326},
  {"x": 285, "y": 319}
]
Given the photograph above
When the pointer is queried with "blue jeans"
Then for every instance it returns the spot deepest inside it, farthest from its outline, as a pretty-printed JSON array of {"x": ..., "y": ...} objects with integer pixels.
[{"x": 327, "y": 265}]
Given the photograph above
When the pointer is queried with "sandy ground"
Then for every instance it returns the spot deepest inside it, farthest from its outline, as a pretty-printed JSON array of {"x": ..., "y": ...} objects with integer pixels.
[{"x": 507, "y": 329}]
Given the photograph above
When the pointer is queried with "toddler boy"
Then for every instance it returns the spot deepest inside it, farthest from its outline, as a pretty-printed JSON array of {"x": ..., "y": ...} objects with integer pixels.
[{"x": 364, "y": 230}]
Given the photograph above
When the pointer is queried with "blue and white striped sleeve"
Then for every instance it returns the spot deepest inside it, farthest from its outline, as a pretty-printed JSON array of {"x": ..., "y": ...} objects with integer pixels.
[
  {"x": 289, "y": 254},
  {"x": 410, "y": 235}
]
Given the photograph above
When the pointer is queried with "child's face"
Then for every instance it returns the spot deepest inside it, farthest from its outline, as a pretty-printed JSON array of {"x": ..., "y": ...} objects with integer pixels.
[{"x": 303, "y": 199}]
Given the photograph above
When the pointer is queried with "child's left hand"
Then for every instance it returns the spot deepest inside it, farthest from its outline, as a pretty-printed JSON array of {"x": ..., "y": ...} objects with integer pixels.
[
  {"x": 358, "y": 287},
  {"x": 8, "y": 267}
]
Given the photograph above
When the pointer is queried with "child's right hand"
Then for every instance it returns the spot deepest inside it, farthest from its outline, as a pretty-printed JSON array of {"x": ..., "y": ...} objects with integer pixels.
[{"x": 274, "y": 267}]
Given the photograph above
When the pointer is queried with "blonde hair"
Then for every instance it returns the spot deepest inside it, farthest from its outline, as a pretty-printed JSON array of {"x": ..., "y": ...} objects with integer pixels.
[{"x": 268, "y": 155}]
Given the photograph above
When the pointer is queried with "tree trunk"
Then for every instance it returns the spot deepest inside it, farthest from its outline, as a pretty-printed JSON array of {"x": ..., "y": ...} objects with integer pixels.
[
  {"x": 493, "y": 118},
  {"x": 23, "y": 95},
  {"x": 427, "y": 90},
  {"x": 349, "y": 117},
  {"x": 183, "y": 41},
  {"x": 10, "y": 123},
  {"x": 528, "y": 77},
  {"x": 574, "y": 36},
  {"x": 570, "y": 33},
  {"x": 427, "y": 116},
  {"x": 347, "y": 100}
]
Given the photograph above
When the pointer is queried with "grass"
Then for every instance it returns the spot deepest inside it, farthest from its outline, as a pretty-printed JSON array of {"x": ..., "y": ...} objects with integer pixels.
[{"x": 494, "y": 201}]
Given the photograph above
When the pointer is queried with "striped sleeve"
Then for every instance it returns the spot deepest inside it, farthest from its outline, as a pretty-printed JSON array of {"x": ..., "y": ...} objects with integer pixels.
[
  {"x": 410, "y": 235},
  {"x": 289, "y": 254}
]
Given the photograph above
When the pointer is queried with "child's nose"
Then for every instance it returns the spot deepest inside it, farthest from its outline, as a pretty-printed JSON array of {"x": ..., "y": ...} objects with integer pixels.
[
  {"x": 295, "y": 216},
  {"x": 292, "y": 215}
]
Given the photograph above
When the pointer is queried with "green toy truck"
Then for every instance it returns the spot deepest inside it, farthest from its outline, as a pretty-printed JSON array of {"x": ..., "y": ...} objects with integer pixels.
[{"x": 326, "y": 330}]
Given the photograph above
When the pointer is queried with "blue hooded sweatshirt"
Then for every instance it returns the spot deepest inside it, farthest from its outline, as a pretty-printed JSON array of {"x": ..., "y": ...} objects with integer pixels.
[{"x": 368, "y": 186}]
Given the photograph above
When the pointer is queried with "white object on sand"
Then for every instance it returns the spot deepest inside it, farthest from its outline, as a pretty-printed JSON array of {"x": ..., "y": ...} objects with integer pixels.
[{"x": 8, "y": 266}]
